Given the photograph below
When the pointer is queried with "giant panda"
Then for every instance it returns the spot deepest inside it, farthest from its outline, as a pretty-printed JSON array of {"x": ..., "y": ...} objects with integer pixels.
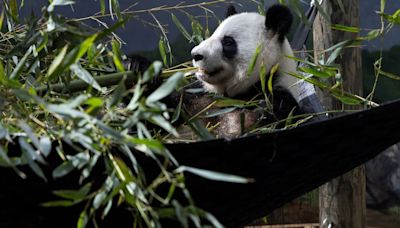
[{"x": 222, "y": 63}]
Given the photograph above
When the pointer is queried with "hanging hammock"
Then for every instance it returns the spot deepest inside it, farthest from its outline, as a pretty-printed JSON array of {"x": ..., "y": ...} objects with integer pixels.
[{"x": 285, "y": 164}]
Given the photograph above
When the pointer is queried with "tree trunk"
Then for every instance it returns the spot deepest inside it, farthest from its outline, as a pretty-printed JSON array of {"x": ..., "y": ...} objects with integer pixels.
[{"x": 342, "y": 201}]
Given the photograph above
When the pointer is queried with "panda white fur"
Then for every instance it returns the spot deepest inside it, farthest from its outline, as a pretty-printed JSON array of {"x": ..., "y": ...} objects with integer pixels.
[{"x": 223, "y": 59}]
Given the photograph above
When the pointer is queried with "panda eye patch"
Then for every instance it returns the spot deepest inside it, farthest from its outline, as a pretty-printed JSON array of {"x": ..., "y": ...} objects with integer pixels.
[
  {"x": 228, "y": 41},
  {"x": 229, "y": 47}
]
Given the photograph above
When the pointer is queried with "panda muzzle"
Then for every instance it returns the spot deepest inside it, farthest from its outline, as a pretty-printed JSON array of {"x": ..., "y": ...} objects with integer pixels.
[{"x": 208, "y": 73}]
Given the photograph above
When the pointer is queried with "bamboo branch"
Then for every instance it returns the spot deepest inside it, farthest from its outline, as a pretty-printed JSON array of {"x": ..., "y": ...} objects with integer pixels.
[
  {"x": 79, "y": 85},
  {"x": 155, "y": 9}
]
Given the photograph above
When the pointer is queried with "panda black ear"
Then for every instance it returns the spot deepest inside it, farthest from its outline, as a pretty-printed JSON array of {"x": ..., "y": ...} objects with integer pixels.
[
  {"x": 279, "y": 19},
  {"x": 230, "y": 11}
]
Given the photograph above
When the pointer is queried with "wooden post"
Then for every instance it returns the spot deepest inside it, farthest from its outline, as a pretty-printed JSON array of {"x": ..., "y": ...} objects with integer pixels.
[{"x": 342, "y": 201}]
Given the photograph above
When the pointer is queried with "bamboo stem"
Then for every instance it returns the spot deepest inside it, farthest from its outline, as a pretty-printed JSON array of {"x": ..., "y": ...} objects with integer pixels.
[
  {"x": 155, "y": 9},
  {"x": 79, "y": 85}
]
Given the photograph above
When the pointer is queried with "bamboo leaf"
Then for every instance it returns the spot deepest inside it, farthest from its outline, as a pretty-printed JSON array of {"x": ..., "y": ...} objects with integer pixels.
[
  {"x": 317, "y": 73},
  {"x": 116, "y": 56},
  {"x": 1, "y": 20},
  {"x": 88, "y": 168},
  {"x": 274, "y": 69},
  {"x": 347, "y": 99},
  {"x": 383, "y": 4},
  {"x": 83, "y": 220},
  {"x": 389, "y": 75},
  {"x": 345, "y": 28},
  {"x": 134, "y": 102},
  {"x": 57, "y": 60},
  {"x": 102, "y": 7},
  {"x": 263, "y": 76},
  {"x": 4, "y": 157},
  {"x": 74, "y": 195},
  {"x": 339, "y": 45},
  {"x": 162, "y": 122},
  {"x": 153, "y": 144},
  {"x": 20, "y": 66},
  {"x": 396, "y": 17},
  {"x": 181, "y": 28},
  {"x": 63, "y": 169},
  {"x": 110, "y": 131},
  {"x": 211, "y": 175},
  {"x": 165, "y": 89},
  {"x": 218, "y": 112},
  {"x": 64, "y": 61},
  {"x": 94, "y": 103},
  {"x": 333, "y": 56},
  {"x": 181, "y": 214},
  {"x": 13, "y": 9},
  {"x": 153, "y": 71},
  {"x": 197, "y": 31},
  {"x": 253, "y": 61},
  {"x": 45, "y": 145},
  {"x": 117, "y": 95},
  {"x": 85, "y": 76},
  {"x": 54, "y": 3},
  {"x": 59, "y": 203},
  {"x": 226, "y": 102},
  {"x": 123, "y": 171},
  {"x": 110, "y": 30},
  {"x": 85, "y": 45},
  {"x": 162, "y": 46},
  {"x": 371, "y": 34},
  {"x": 213, "y": 220},
  {"x": 34, "y": 155},
  {"x": 43, "y": 43},
  {"x": 99, "y": 199},
  {"x": 15, "y": 84},
  {"x": 116, "y": 8},
  {"x": 74, "y": 162},
  {"x": 177, "y": 112},
  {"x": 37, "y": 170},
  {"x": 200, "y": 130}
]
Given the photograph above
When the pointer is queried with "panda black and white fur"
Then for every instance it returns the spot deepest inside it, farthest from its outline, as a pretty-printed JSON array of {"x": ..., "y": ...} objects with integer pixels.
[
  {"x": 223, "y": 61},
  {"x": 224, "y": 58}
]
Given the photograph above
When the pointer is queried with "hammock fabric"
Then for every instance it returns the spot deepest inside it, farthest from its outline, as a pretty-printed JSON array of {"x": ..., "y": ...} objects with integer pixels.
[{"x": 284, "y": 165}]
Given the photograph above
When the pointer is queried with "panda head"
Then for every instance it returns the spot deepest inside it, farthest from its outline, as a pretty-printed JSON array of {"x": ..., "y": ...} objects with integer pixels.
[{"x": 224, "y": 58}]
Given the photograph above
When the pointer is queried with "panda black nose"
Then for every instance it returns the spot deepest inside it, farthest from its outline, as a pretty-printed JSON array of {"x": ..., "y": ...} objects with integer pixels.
[{"x": 197, "y": 57}]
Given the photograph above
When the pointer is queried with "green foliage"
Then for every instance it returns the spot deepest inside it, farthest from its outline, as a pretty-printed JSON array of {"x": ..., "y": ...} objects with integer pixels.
[{"x": 62, "y": 90}]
